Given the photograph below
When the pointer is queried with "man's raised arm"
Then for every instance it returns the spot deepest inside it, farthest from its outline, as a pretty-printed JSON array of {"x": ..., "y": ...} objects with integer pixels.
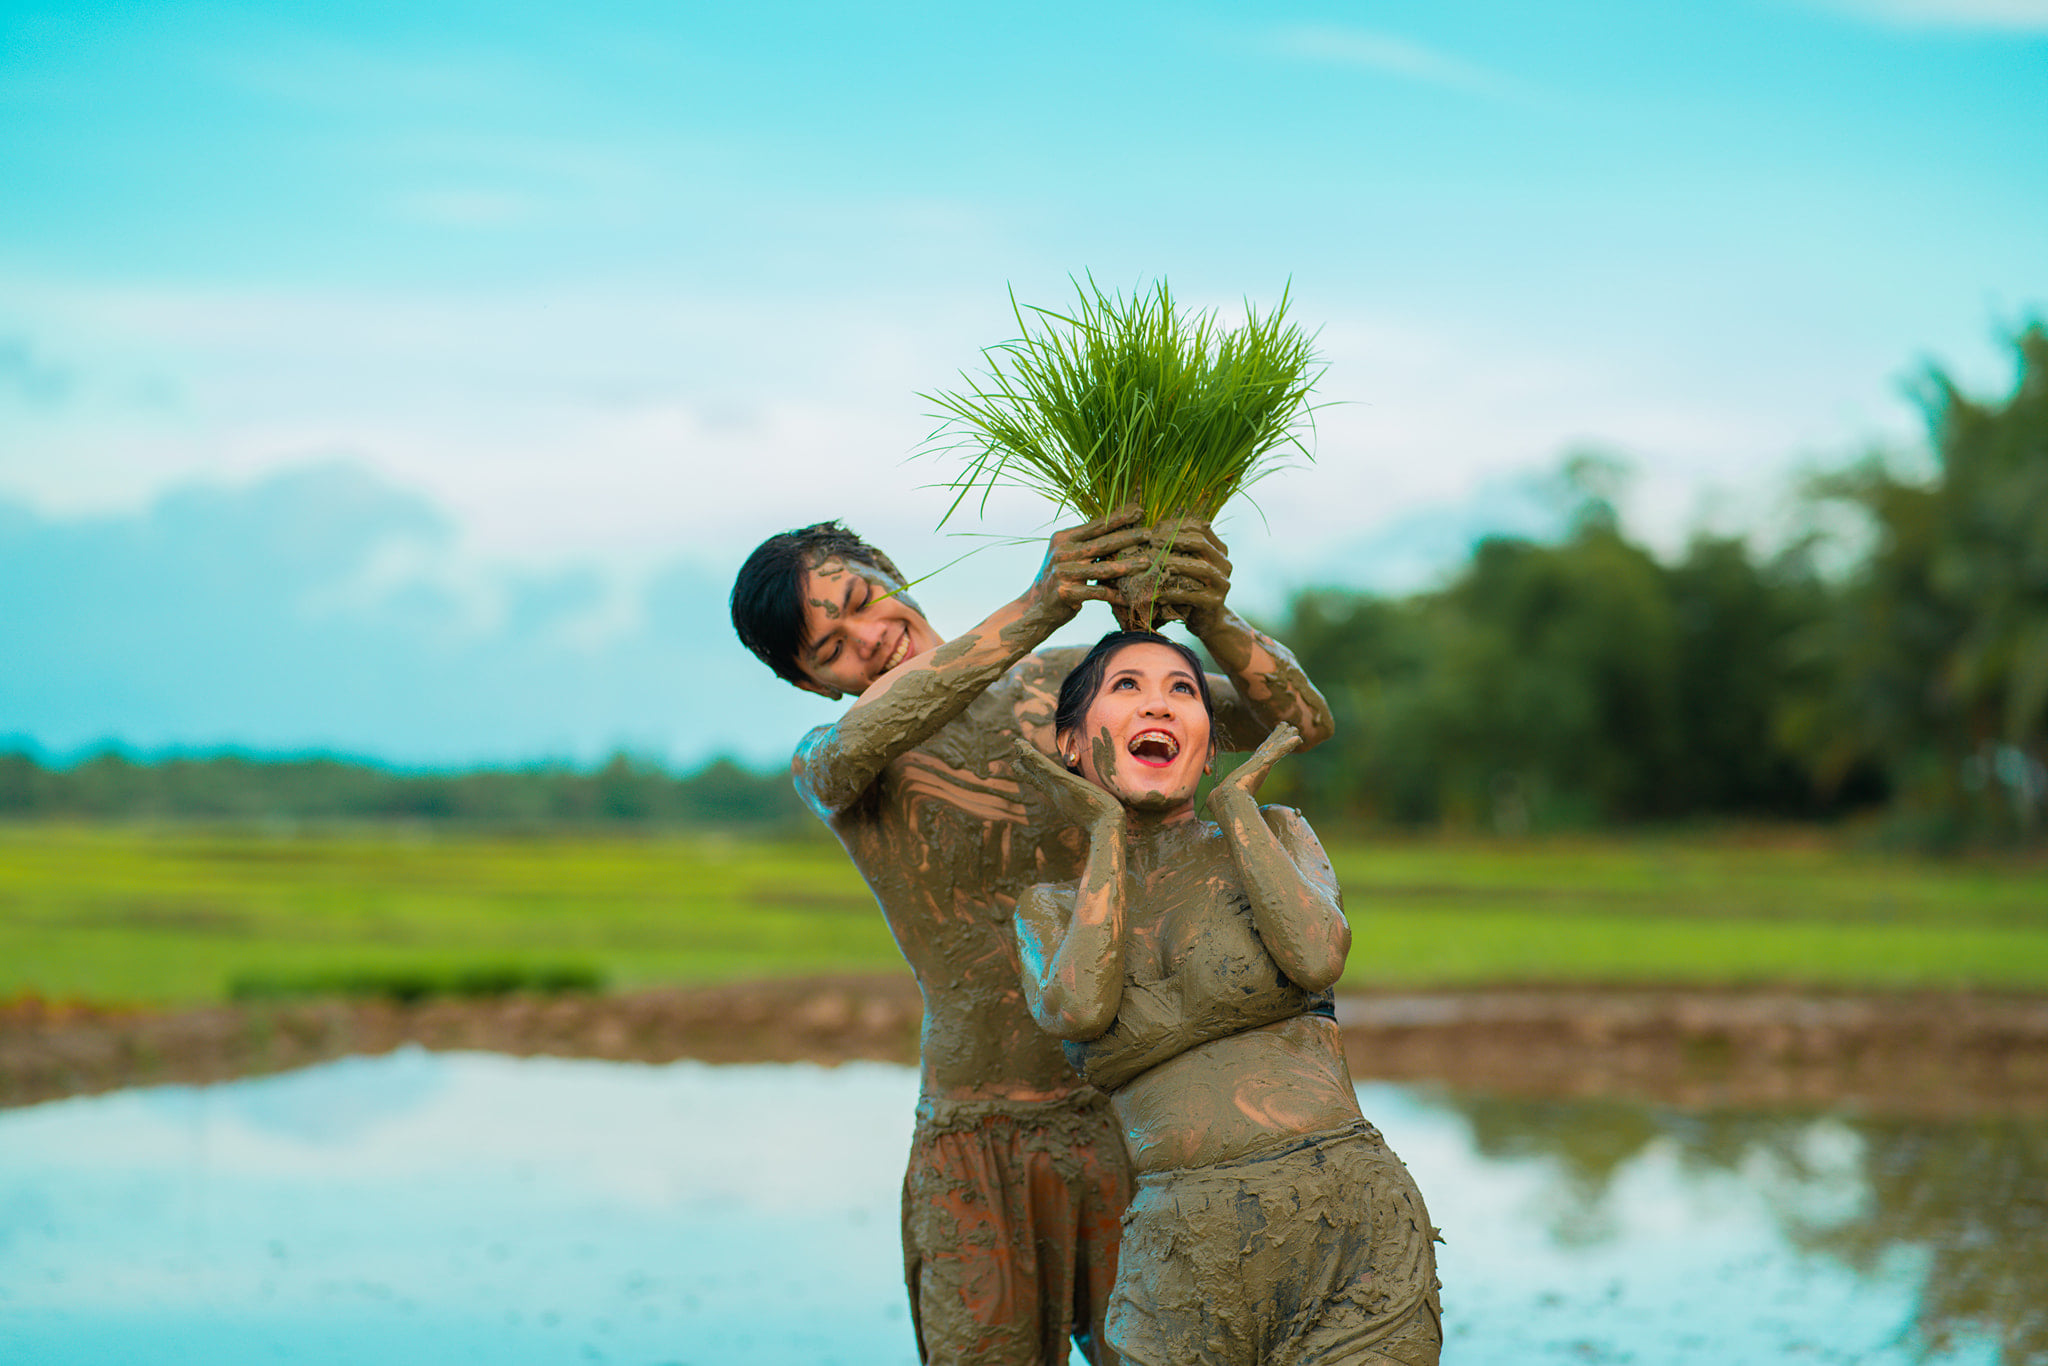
[{"x": 905, "y": 707}]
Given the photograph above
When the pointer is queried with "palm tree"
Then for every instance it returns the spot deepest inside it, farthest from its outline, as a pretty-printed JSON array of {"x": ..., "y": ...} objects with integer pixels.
[{"x": 1944, "y": 647}]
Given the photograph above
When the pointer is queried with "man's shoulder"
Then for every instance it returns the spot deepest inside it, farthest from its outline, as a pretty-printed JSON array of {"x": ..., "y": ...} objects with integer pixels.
[
  {"x": 1049, "y": 664},
  {"x": 1062, "y": 657},
  {"x": 800, "y": 760},
  {"x": 977, "y": 742},
  {"x": 1023, "y": 698},
  {"x": 975, "y": 750}
]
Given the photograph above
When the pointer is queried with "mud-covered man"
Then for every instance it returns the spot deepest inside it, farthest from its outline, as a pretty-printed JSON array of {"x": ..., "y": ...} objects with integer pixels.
[{"x": 1017, "y": 1176}]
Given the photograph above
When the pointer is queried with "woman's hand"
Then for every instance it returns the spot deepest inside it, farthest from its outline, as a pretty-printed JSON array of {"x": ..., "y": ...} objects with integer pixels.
[
  {"x": 1072, "y": 951},
  {"x": 1074, "y": 799},
  {"x": 1196, "y": 567},
  {"x": 1287, "y": 877},
  {"x": 1244, "y": 780}
]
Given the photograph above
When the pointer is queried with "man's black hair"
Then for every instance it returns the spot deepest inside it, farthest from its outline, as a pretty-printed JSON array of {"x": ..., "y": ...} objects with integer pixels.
[
  {"x": 768, "y": 594},
  {"x": 1078, "y": 689}
]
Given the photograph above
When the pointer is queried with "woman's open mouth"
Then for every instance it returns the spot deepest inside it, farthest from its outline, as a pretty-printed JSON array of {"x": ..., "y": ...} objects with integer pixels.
[
  {"x": 899, "y": 654},
  {"x": 1154, "y": 748}
]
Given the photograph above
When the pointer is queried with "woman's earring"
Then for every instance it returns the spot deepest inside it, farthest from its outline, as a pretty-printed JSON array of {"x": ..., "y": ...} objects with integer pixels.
[{"x": 1073, "y": 761}]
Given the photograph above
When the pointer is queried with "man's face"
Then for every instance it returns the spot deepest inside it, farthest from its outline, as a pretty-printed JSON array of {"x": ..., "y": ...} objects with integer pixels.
[{"x": 853, "y": 632}]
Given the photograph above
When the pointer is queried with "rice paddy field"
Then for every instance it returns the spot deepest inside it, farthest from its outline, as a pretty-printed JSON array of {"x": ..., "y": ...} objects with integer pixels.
[{"x": 165, "y": 916}]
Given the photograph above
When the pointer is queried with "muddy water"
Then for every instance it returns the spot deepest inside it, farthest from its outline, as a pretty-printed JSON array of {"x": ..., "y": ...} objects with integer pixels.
[{"x": 443, "y": 1208}]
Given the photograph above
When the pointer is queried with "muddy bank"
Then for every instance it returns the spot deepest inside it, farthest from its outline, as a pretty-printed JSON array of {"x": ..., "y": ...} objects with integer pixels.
[
  {"x": 1910, "y": 1054},
  {"x": 1931, "y": 1054}
]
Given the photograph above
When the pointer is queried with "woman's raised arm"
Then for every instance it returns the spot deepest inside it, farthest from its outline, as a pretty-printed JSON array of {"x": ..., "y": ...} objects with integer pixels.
[
  {"x": 1072, "y": 943},
  {"x": 1293, "y": 890}
]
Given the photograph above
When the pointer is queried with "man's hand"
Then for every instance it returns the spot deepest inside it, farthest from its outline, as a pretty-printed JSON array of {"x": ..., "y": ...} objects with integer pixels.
[
  {"x": 1079, "y": 557},
  {"x": 1244, "y": 780},
  {"x": 1074, "y": 799}
]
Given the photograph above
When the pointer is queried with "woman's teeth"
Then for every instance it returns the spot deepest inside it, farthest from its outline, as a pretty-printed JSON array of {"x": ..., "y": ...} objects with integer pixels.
[
  {"x": 896, "y": 655},
  {"x": 1154, "y": 747}
]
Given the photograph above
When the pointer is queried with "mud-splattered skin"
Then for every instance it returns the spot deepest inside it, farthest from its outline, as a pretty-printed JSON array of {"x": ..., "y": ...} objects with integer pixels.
[
  {"x": 1017, "y": 1180},
  {"x": 1183, "y": 963},
  {"x": 918, "y": 778},
  {"x": 1270, "y": 1222}
]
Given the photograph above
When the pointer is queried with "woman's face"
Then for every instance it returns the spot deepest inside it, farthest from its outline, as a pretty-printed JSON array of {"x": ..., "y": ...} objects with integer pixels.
[{"x": 1145, "y": 737}]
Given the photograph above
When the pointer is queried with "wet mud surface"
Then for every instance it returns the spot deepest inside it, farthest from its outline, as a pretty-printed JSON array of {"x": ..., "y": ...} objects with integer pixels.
[{"x": 1922, "y": 1054}]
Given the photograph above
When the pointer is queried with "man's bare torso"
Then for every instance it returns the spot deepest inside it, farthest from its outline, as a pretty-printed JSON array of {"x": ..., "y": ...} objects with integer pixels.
[{"x": 947, "y": 838}]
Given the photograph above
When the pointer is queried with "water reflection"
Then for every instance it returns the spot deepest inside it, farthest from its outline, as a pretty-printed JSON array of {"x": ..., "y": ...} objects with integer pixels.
[
  {"x": 1976, "y": 1195},
  {"x": 451, "y": 1208},
  {"x": 441, "y": 1208},
  {"x": 1963, "y": 1203}
]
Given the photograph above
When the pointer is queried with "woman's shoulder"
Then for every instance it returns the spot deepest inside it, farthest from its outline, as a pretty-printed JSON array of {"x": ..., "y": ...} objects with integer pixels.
[{"x": 1288, "y": 822}]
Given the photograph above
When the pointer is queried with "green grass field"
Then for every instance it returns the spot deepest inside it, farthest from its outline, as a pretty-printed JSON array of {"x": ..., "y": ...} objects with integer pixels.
[{"x": 177, "y": 915}]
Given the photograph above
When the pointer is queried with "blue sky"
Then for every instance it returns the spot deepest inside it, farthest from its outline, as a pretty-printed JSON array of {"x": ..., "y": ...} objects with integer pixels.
[{"x": 409, "y": 379}]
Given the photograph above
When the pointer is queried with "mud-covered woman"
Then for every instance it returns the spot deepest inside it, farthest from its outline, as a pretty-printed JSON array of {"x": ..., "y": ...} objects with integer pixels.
[{"x": 1189, "y": 972}]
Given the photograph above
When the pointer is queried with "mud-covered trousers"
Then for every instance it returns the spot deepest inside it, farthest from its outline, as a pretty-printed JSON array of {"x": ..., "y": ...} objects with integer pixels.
[
  {"x": 1011, "y": 1214},
  {"x": 1316, "y": 1254}
]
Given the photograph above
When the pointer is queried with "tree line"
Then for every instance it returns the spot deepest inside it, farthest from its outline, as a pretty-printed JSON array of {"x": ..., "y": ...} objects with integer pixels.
[
  {"x": 1587, "y": 681},
  {"x": 624, "y": 791},
  {"x": 1555, "y": 684}
]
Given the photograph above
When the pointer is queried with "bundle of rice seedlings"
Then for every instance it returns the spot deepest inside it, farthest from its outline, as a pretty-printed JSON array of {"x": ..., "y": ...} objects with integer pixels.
[{"x": 1124, "y": 401}]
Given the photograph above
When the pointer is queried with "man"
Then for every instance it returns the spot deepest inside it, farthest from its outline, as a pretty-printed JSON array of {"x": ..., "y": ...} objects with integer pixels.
[{"x": 1017, "y": 1176}]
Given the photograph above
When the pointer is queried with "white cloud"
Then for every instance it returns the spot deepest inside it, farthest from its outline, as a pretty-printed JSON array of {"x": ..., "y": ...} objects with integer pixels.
[
  {"x": 325, "y": 608},
  {"x": 2018, "y": 16},
  {"x": 466, "y": 207},
  {"x": 550, "y": 424},
  {"x": 1393, "y": 56},
  {"x": 625, "y": 429},
  {"x": 308, "y": 69}
]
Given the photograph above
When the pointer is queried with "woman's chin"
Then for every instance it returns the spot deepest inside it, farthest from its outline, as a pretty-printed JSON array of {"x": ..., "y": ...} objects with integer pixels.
[{"x": 1159, "y": 801}]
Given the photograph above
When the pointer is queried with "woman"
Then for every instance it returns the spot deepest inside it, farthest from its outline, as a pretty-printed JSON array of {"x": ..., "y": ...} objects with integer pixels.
[{"x": 1189, "y": 972}]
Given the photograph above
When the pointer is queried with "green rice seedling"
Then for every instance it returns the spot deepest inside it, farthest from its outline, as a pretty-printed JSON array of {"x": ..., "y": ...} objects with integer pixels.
[{"x": 1128, "y": 401}]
